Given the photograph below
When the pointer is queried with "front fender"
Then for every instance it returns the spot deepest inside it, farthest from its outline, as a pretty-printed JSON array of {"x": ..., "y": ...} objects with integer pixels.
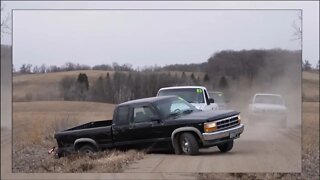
[
  {"x": 175, "y": 143},
  {"x": 211, "y": 107}
]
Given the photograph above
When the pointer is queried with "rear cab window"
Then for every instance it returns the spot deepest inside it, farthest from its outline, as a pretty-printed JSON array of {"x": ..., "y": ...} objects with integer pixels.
[{"x": 122, "y": 115}]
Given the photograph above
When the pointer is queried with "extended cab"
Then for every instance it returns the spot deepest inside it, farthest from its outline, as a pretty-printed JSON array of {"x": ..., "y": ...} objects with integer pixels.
[
  {"x": 195, "y": 95},
  {"x": 167, "y": 120}
]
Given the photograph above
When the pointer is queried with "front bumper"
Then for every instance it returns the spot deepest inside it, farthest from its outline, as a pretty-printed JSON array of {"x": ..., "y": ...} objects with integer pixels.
[{"x": 231, "y": 133}]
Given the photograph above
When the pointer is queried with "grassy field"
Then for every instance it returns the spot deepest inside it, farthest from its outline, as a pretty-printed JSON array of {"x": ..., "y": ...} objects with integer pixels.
[
  {"x": 42, "y": 118},
  {"x": 310, "y": 86},
  {"x": 310, "y": 128},
  {"x": 38, "y": 120}
]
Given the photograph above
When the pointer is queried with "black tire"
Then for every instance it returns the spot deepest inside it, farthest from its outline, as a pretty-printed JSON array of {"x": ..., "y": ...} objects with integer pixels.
[
  {"x": 225, "y": 147},
  {"x": 87, "y": 149},
  {"x": 176, "y": 145},
  {"x": 188, "y": 144}
]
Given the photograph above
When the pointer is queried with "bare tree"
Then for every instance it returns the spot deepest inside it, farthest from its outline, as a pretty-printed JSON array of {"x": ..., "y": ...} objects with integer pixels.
[
  {"x": 36, "y": 69},
  {"x": 5, "y": 18},
  {"x": 297, "y": 26},
  {"x": 306, "y": 65},
  {"x": 43, "y": 68},
  {"x": 26, "y": 68}
]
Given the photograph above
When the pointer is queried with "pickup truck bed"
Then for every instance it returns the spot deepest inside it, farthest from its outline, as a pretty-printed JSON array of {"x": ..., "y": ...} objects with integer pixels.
[
  {"x": 100, "y": 131},
  {"x": 94, "y": 124}
]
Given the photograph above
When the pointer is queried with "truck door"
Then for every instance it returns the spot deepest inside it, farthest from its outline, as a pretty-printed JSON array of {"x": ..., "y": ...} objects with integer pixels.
[{"x": 145, "y": 125}]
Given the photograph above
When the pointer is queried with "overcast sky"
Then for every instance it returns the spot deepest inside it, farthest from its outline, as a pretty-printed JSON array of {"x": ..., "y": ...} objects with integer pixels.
[{"x": 150, "y": 37}]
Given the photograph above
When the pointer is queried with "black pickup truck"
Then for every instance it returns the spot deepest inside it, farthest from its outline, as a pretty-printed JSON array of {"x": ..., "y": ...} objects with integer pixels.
[{"x": 158, "y": 120}]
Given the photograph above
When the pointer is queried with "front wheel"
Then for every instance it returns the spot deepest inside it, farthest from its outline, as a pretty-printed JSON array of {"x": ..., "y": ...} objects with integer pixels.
[
  {"x": 225, "y": 147},
  {"x": 189, "y": 144}
]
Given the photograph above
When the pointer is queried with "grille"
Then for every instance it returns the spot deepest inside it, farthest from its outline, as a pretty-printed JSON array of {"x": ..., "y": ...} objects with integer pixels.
[{"x": 227, "y": 122}]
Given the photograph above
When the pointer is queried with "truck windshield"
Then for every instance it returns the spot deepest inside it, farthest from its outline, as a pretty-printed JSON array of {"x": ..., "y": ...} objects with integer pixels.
[
  {"x": 191, "y": 95},
  {"x": 268, "y": 99},
  {"x": 174, "y": 106}
]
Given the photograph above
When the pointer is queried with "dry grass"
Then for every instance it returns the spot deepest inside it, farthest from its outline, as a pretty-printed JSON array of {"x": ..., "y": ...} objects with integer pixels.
[
  {"x": 248, "y": 176},
  {"x": 40, "y": 120},
  {"x": 34, "y": 159},
  {"x": 34, "y": 124},
  {"x": 310, "y": 140},
  {"x": 311, "y": 86}
]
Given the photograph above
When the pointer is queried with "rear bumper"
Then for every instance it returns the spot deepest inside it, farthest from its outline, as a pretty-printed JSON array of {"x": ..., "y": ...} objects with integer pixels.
[{"x": 231, "y": 133}]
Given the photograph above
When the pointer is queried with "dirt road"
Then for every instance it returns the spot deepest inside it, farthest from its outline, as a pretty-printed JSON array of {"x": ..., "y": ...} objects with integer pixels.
[{"x": 257, "y": 150}]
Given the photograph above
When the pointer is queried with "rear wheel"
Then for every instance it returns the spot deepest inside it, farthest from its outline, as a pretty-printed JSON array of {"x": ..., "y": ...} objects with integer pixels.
[
  {"x": 189, "y": 144},
  {"x": 87, "y": 149},
  {"x": 225, "y": 147}
]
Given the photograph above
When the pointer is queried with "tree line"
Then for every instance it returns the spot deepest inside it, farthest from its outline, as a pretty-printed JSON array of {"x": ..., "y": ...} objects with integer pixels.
[
  {"x": 224, "y": 70},
  {"x": 256, "y": 66},
  {"x": 251, "y": 60},
  {"x": 118, "y": 87},
  {"x": 69, "y": 66}
]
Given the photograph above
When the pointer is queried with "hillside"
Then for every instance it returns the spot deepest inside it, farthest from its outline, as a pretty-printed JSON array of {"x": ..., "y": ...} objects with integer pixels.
[
  {"x": 45, "y": 86},
  {"x": 33, "y": 87}
]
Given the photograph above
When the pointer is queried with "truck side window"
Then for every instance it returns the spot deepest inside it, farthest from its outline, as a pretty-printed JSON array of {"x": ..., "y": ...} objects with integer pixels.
[
  {"x": 122, "y": 115},
  {"x": 142, "y": 114}
]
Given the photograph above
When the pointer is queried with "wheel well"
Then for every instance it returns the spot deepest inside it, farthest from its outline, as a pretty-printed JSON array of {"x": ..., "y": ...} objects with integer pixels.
[{"x": 78, "y": 145}]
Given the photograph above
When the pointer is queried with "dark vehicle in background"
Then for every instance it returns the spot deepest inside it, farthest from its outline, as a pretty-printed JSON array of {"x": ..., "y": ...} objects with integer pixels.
[
  {"x": 168, "y": 121},
  {"x": 219, "y": 99}
]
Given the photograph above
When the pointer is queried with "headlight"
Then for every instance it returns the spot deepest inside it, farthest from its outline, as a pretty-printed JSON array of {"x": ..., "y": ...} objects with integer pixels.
[
  {"x": 239, "y": 119},
  {"x": 209, "y": 127}
]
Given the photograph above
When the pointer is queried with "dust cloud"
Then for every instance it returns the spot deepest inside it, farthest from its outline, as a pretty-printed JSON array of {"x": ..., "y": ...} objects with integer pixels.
[{"x": 287, "y": 84}]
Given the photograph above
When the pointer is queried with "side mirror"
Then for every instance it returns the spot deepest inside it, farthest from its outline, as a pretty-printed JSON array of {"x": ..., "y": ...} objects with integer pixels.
[{"x": 211, "y": 100}]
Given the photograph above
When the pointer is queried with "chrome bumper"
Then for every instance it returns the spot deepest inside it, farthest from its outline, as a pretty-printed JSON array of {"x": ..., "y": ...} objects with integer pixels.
[{"x": 231, "y": 133}]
